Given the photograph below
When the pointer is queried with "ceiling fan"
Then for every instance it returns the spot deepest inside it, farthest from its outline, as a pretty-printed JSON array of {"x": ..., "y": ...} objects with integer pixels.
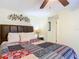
[{"x": 63, "y": 2}]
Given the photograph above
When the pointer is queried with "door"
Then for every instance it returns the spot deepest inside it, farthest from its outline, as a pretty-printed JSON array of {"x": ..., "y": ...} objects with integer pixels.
[{"x": 52, "y": 30}]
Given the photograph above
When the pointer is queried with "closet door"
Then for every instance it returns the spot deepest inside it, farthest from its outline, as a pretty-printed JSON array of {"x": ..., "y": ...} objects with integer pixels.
[
  {"x": 5, "y": 30},
  {"x": 52, "y": 30},
  {"x": 25, "y": 29}
]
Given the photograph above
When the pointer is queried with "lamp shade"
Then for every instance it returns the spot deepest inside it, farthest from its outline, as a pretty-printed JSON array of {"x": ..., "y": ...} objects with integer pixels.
[{"x": 38, "y": 32}]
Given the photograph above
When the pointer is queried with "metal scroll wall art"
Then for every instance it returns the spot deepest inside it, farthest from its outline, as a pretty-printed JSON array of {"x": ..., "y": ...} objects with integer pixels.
[{"x": 18, "y": 17}]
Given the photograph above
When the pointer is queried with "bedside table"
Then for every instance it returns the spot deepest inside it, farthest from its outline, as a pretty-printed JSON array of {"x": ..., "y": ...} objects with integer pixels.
[{"x": 41, "y": 38}]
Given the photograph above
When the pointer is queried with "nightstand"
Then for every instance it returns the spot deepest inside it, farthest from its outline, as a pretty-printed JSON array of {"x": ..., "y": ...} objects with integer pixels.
[{"x": 41, "y": 38}]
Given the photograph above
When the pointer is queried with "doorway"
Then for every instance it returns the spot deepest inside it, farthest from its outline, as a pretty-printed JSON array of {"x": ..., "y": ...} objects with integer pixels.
[{"x": 52, "y": 29}]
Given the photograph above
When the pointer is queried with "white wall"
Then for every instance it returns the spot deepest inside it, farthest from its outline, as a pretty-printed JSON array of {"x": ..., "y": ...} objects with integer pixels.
[
  {"x": 68, "y": 29},
  {"x": 4, "y": 18},
  {"x": 40, "y": 23}
]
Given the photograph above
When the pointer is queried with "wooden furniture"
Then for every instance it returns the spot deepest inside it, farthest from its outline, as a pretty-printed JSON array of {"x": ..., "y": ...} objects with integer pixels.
[
  {"x": 5, "y": 29},
  {"x": 41, "y": 38}
]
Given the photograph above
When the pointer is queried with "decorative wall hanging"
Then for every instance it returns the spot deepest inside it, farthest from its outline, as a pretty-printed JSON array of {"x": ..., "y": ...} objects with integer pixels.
[{"x": 18, "y": 17}]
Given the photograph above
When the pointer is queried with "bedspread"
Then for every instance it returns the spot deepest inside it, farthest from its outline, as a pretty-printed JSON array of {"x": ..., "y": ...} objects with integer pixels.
[{"x": 44, "y": 50}]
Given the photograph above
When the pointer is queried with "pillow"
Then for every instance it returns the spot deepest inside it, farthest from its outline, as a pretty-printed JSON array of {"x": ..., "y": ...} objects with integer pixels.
[
  {"x": 27, "y": 36},
  {"x": 13, "y": 37},
  {"x": 5, "y": 42}
]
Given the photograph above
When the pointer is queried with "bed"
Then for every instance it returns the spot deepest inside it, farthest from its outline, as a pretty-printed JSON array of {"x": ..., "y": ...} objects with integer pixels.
[
  {"x": 25, "y": 45},
  {"x": 37, "y": 50}
]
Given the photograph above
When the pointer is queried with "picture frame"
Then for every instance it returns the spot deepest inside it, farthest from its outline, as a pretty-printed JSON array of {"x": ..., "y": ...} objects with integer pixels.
[{"x": 49, "y": 26}]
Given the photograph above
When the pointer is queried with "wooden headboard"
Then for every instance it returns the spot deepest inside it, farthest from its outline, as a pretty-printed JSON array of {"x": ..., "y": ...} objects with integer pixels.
[{"x": 5, "y": 29}]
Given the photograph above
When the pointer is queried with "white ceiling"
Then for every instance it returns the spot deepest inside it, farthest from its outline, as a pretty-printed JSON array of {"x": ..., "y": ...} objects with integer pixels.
[
  {"x": 20, "y": 5},
  {"x": 34, "y": 5}
]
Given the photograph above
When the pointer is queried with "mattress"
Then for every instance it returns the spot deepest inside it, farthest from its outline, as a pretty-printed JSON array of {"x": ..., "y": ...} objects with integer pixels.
[{"x": 37, "y": 50}]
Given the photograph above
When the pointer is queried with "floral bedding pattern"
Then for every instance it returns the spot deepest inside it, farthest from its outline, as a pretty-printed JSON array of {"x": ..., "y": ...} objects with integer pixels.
[{"x": 14, "y": 52}]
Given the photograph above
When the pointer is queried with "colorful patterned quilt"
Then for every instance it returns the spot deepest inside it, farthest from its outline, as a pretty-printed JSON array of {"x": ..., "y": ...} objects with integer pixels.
[{"x": 44, "y": 50}]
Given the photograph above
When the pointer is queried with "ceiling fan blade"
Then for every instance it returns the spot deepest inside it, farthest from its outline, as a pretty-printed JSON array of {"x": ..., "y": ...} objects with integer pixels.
[
  {"x": 64, "y": 2},
  {"x": 44, "y": 4}
]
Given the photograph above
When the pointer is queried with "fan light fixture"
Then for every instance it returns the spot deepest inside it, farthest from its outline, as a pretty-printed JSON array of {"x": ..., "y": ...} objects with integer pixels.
[{"x": 63, "y": 2}]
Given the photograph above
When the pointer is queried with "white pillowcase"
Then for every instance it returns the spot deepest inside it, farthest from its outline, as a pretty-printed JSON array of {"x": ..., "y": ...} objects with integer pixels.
[
  {"x": 21, "y": 37},
  {"x": 13, "y": 37},
  {"x": 27, "y": 36}
]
